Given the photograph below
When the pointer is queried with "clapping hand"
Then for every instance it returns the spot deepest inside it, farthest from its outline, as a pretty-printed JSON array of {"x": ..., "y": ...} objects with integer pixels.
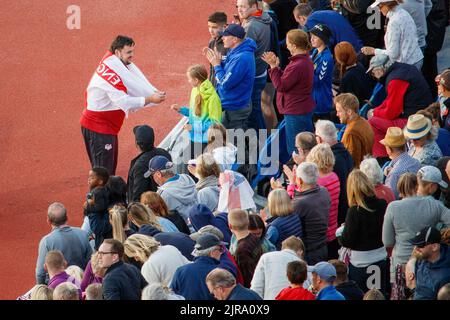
[
  {"x": 290, "y": 173},
  {"x": 214, "y": 56},
  {"x": 275, "y": 184},
  {"x": 271, "y": 59}
]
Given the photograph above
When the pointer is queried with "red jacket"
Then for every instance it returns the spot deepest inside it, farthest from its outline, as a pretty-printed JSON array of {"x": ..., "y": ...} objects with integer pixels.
[
  {"x": 294, "y": 85},
  {"x": 298, "y": 293}
]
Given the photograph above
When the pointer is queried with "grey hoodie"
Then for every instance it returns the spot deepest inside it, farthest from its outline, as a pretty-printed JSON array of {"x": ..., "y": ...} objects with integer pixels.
[
  {"x": 208, "y": 192},
  {"x": 258, "y": 29},
  {"x": 179, "y": 194}
]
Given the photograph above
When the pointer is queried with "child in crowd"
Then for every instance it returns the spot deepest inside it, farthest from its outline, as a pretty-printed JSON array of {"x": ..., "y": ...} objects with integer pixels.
[
  {"x": 223, "y": 151},
  {"x": 204, "y": 108},
  {"x": 323, "y": 70},
  {"x": 297, "y": 273},
  {"x": 217, "y": 22},
  {"x": 96, "y": 205}
]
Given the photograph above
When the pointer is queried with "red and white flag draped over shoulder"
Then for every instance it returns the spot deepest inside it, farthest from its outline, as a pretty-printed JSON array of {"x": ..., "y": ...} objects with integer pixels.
[
  {"x": 114, "y": 90},
  {"x": 235, "y": 192}
]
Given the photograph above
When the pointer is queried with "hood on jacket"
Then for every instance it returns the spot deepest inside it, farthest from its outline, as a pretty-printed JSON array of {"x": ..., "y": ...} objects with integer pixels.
[
  {"x": 210, "y": 181},
  {"x": 225, "y": 155},
  {"x": 248, "y": 45},
  {"x": 206, "y": 89},
  {"x": 264, "y": 18},
  {"x": 200, "y": 216},
  {"x": 182, "y": 189}
]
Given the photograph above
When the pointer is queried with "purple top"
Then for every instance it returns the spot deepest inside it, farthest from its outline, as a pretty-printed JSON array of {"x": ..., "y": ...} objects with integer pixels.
[
  {"x": 61, "y": 278},
  {"x": 89, "y": 277}
]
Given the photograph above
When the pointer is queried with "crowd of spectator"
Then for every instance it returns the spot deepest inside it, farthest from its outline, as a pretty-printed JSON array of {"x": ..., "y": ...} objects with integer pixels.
[{"x": 359, "y": 212}]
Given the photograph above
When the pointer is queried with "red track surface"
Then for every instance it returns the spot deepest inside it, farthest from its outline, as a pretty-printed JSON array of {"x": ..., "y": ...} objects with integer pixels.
[{"x": 45, "y": 70}]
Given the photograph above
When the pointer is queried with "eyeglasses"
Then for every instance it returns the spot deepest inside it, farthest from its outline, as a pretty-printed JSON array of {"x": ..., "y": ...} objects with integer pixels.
[{"x": 101, "y": 253}]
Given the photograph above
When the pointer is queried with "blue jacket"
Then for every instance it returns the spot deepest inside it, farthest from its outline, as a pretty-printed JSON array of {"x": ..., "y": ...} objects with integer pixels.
[
  {"x": 189, "y": 280},
  {"x": 282, "y": 228},
  {"x": 430, "y": 277},
  {"x": 341, "y": 29},
  {"x": 235, "y": 76},
  {"x": 201, "y": 216},
  {"x": 123, "y": 281},
  {"x": 323, "y": 77},
  {"x": 241, "y": 293},
  {"x": 329, "y": 293}
]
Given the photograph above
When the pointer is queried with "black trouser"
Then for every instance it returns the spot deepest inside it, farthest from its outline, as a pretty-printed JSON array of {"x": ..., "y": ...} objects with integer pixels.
[{"x": 102, "y": 149}]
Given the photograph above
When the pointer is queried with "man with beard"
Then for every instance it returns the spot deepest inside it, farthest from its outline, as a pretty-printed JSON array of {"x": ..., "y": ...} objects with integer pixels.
[
  {"x": 433, "y": 263},
  {"x": 116, "y": 88}
]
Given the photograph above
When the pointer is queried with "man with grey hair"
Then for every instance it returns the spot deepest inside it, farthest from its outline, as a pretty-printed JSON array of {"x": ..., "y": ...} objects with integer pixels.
[
  {"x": 72, "y": 242},
  {"x": 407, "y": 93},
  {"x": 222, "y": 285},
  {"x": 66, "y": 291},
  {"x": 189, "y": 280},
  {"x": 326, "y": 133},
  {"x": 177, "y": 190},
  {"x": 372, "y": 170},
  {"x": 156, "y": 291},
  {"x": 312, "y": 204}
]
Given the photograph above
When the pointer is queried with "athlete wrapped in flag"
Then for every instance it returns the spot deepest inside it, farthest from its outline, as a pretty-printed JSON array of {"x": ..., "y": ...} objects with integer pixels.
[{"x": 116, "y": 88}]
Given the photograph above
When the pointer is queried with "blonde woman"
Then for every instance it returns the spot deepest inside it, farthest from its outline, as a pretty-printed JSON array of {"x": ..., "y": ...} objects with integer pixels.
[
  {"x": 323, "y": 157},
  {"x": 118, "y": 218},
  {"x": 159, "y": 207},
  {"x": 363, "y": 231},
  {"x": 159, "y": 263},
  {"x": 283, "y": 222},
  {"x": 207, "y": 171},
  {"x": 41, "y": 292},
  {"x": 143, "y": 218}
]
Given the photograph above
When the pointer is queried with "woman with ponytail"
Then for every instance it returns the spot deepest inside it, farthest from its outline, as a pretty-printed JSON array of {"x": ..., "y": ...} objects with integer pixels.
[
  {"x": 118, "y": 218},
  {"x": 204, "y": 108}
]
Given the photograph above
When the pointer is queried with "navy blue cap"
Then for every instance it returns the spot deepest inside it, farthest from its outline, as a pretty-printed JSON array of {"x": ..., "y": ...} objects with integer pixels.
[
  {"x": 234, "y": 30},
  {"x": 156, "y": 164},
  {"x": 208, "y": 240},
  {"x": 426, "y": 236}
]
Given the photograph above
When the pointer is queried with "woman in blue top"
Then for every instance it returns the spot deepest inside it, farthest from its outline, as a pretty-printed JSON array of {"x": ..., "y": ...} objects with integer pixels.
[{"x": 323, "y": 70}]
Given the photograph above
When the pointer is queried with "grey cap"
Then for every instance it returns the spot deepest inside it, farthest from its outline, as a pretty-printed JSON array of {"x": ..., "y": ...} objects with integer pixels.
[
  {"x": 207, "y": 229},
  {"x": 432, "y": 174},
  {"x": 208, "y": 240},
  {"x": 378, "y": 61}
]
